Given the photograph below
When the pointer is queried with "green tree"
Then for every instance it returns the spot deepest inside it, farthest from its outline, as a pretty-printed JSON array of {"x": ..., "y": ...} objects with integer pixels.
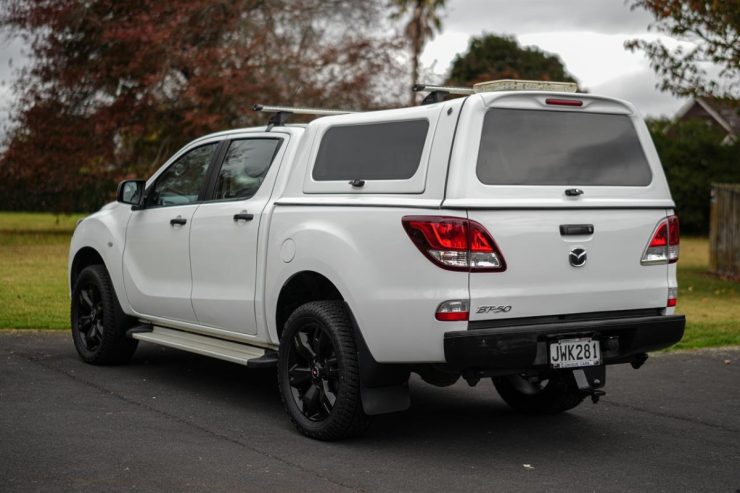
[
  {"x": 424, "y": 22},
  {"x": 694, "y": 157},
  {"x": 491, "y": 57},
  {"x": 713, "y": 28}
]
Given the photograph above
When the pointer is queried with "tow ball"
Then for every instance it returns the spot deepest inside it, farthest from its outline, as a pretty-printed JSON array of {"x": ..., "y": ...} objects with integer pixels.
[{"x": 590, "y": 379}]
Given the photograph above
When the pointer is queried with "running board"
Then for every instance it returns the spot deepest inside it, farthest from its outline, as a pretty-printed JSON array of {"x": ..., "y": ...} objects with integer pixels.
[{"x": 207, "y": 346}]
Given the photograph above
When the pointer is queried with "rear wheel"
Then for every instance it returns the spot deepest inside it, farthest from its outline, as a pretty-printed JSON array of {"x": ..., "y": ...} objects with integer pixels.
[
  {"x": 318, "y": 372},
  {"x": 548, "y": 393},
  {"x": 98, "y": 323}
]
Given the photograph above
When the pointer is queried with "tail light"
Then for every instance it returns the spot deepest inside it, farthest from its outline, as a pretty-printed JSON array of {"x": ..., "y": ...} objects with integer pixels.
[
  {"x": 455, "y": 243},
  {"x": 663, "y": 246}
]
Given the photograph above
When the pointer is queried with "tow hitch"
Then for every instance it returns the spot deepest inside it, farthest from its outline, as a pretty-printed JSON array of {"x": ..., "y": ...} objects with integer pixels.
[{"x": 590, "y": 379}]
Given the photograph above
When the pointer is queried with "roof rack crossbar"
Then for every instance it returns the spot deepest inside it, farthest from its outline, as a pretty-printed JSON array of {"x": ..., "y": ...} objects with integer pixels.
[{"x": 282, "y": 113}]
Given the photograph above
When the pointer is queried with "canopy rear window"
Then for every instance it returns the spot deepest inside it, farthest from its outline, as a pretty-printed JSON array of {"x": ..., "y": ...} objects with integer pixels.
[
  {"x": 537, "y": 147},
  {"x": 376, "y": 151}
]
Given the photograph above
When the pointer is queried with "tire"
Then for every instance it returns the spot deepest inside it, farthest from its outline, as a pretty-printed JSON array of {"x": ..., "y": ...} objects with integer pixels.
[
  {"x": 98, "y": 323},
  {"x": 553, "y": 393},
  {"x": 318, "y": 372}
]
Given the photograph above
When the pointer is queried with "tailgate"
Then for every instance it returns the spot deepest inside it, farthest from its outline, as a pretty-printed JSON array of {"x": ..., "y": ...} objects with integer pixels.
[{"x": 542, "y": 278}]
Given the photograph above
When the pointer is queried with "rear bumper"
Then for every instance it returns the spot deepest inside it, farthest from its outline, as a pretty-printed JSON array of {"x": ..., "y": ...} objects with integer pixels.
[{"x": 525, "y": 346}]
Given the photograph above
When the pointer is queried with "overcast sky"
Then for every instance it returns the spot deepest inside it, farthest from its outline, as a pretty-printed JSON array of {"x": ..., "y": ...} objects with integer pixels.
[
  {"x": 588, "y": 35},
  {"x": 10, "y": 56}
]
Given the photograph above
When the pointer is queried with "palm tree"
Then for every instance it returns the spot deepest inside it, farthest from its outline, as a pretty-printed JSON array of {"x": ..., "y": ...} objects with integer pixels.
[{"x": 424, "y": 23}]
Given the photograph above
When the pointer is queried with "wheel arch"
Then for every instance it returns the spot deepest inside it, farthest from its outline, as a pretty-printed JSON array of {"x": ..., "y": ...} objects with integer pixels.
[
  {"x": 88, "y": 255},
  {"x": 384, "y": 387},
  {"x": 100, "y": 239},
  {"x": 84, "y": 257},
  {"x": 303, "y": 287}
]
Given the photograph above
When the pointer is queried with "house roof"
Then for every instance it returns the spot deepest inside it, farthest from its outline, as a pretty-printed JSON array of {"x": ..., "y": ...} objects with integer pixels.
[
  {"x": 729, "y": 110},
  {"x": 726, "y": 112}
]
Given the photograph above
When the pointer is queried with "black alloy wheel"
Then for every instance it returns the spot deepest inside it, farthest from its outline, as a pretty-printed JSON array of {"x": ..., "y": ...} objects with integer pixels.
[
  {"x": 313, "y": 372},
  {"x": 551, "y": 392},
  {"x": 90, "y": 324},
  {"x": 319, "y": 374},
  {"x": 98, "y": 323}
]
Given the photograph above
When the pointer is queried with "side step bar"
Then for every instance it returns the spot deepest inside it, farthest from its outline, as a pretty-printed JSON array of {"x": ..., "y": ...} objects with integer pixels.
[{"x": 243, "y": 354}]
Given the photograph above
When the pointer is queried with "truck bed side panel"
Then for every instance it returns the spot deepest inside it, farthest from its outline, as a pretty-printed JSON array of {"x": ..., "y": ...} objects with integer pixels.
[{"x": 392, "y": 290}]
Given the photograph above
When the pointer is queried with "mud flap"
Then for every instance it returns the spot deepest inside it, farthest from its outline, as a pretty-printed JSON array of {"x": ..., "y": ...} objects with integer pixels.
[
  {"x": 384, "y": 388},
  {"x": 383, "y": 400}
]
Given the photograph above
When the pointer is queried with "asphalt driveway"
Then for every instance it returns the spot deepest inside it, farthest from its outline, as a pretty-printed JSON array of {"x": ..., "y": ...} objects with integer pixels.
[{"x": 172, "y": 421}]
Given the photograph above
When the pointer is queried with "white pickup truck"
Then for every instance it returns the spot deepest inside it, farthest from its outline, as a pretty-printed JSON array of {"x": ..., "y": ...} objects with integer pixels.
[{"x": 523, "y": 232}]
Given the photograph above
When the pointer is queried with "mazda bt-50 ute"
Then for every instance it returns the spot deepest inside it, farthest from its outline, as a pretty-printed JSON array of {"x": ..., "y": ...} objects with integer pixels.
[{"x": 523, "y": 232}]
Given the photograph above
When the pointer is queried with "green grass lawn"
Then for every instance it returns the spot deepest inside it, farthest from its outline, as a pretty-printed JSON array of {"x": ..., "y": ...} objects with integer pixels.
[
  {"x": 33, "y": 282},
  {"x": 33, "y": 270},
  {"x": 711, "y": 305}
]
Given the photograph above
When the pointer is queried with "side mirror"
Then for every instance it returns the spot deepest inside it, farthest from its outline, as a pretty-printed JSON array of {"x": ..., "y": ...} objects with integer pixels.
[{"x": 131, "y": 192}]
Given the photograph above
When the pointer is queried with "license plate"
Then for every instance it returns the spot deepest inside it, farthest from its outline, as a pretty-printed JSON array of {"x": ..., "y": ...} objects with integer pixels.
[{"x": 571, "y": 353}]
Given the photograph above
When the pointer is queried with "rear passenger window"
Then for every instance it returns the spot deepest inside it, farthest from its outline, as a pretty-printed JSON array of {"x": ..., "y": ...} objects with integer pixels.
[
  {"x": 245, "y": 166},
  {"x": 535, "y": 147},
  {"x": 377, "y": 151}
]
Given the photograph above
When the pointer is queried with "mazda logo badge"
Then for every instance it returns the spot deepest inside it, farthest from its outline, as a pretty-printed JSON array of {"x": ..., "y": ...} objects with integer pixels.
[{"x": 577, "y": 257}]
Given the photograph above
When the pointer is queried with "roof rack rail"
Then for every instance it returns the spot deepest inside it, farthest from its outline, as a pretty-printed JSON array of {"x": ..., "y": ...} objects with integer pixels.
[
  {"x": 438, "y": 93},
  {"x": 282, "y": 113}
]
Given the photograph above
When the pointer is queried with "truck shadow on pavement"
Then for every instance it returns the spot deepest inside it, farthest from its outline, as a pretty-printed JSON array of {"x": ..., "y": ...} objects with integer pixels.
[{"x": 457, "y": 415}]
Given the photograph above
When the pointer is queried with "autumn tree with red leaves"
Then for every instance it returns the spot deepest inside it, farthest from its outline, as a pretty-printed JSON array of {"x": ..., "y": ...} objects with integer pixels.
[{"x": 114, "y": 87}]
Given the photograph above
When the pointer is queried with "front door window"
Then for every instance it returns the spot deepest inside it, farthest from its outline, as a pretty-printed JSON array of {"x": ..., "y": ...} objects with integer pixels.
[{"x": 181, "y": 182}]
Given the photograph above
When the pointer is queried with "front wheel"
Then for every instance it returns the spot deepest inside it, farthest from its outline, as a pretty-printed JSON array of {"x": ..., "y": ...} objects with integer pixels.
[
  {"x": 98, "y": 323},
  {"x": 551, "y": 393},
  {"x": 318, "y": 372}
]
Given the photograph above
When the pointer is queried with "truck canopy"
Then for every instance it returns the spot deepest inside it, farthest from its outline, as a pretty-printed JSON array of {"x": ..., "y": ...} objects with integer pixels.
[{"x": 525, "y": 149}]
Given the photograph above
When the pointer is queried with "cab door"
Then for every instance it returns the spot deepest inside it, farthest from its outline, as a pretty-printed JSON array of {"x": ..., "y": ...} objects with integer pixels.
[
  {"x": 224, "y": 234},
  {"x": 156, "y": 258}
]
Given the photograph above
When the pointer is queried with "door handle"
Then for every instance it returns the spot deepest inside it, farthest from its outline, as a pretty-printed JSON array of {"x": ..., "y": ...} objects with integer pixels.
[
  {"x": 178, "y": 220},
  {"x": 243, "y": 216}
]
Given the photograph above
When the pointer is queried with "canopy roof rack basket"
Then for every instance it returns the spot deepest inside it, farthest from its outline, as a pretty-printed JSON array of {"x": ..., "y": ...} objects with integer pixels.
[{"x": 437, "y": 94}]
